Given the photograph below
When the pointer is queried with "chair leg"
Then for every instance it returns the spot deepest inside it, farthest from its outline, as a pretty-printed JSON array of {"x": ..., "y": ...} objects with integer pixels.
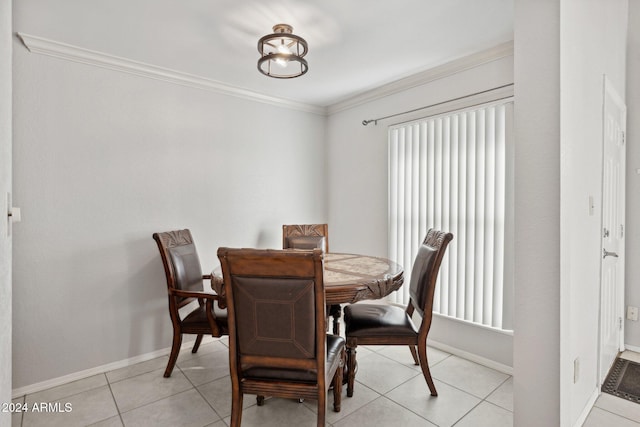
[
  {"x": 322, "y": 407},
  {"x": 422, "y": 353},
  {"x": 175, "y": 349},
  {"x": 412, "y": 349},
  {"x": 236, "y": 408},
  {"x": 351, "y": 362},
  {"x": 337, "y": 383},
  {"x": 260, "y": 400},
  {"x": 196, "y": 345}
]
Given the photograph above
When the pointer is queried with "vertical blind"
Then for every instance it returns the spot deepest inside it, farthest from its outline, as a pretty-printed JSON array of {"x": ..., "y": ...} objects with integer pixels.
[{"x": 449, "y": 172}]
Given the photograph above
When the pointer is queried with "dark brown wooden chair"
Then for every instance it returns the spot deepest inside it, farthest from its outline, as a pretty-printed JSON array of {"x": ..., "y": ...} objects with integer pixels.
[
  {"x": 278, "y": 344},
  {"x": 311, "y": 236},
  {"x": 383, "y": 324},
  {"x": 185, "y": 285},
  {"x": 305, "y": 236}
]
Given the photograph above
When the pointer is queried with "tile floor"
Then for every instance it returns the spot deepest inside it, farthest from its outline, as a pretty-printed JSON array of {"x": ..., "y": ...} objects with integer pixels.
[{"x": 198, "y": 394}]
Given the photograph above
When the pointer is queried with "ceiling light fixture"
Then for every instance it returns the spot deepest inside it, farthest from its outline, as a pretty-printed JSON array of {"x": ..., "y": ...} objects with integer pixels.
[{"x": 281, "y": 53}]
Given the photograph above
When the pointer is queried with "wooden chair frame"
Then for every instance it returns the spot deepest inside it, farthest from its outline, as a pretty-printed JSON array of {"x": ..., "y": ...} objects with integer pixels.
[
  {"x": 320, "y": 230},
  {"x": 279, "y": 264},
  {"x": 179, "y": 298},
  {"x": 435, "y": 239},
  {"x": 292, "y": 230}
]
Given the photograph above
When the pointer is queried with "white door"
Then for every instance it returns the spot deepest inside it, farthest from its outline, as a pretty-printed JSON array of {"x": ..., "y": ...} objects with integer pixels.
[{"x": 613, "y": 202}]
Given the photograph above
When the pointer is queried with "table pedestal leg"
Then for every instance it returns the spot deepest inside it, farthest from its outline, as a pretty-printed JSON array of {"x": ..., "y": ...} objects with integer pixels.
[{"x": 335, "y": 311}]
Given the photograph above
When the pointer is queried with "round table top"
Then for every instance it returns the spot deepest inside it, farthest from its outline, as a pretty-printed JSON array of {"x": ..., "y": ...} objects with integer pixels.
[{"x": 348, "y": 278}]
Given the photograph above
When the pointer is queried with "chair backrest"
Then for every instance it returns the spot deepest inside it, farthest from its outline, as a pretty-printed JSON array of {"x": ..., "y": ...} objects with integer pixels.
[
  {"x": 425, "y": 270},
  {"x": 181, "y": 262},
  {"x": 276, "y": 310},
  {"x": 305, "y": 236}
]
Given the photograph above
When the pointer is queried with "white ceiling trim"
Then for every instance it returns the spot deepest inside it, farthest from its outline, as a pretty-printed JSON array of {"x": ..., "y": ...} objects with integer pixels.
[
  {"x": 69, "y": 52},
  {"x": 444, "y": 70}
]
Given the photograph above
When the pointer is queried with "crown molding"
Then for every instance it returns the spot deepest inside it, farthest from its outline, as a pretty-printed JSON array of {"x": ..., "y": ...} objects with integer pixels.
[
  {"x": 461, "y": 64},
  {"x": 69, "y": 52}
]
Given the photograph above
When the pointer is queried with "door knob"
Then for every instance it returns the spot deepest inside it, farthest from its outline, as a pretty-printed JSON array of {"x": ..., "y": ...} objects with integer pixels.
[{"x": 606, "y": 253}]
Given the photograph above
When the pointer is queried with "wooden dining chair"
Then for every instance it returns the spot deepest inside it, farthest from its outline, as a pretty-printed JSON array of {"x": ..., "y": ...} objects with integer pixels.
[
  {"x": 184, "y": 286},
  {"x": 311, "y": 236},
  {"x": 278, "y": 345},
  {"x": 305, "y": 236},
  {"x": 385, "y": 324}
]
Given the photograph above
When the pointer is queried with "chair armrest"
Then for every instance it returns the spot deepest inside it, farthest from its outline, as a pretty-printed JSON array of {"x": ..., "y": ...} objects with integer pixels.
[
  {"x": 206, "y": 299},
  {"x": 195, "y": 294}
]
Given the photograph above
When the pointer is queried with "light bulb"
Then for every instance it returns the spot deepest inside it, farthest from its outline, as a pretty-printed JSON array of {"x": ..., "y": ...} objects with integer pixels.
[{"x": 283, "y": 49}]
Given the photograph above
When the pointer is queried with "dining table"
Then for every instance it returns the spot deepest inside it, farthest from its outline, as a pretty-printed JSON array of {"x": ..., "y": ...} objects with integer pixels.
[{"x": 348, "y": 278}]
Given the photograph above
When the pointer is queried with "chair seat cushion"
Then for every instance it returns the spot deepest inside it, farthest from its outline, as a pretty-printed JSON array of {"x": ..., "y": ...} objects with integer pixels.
[
  {"x": 199, "y": 316},
  {"x": 335, "y": 344},
  {"x": 372, "y": 320}
]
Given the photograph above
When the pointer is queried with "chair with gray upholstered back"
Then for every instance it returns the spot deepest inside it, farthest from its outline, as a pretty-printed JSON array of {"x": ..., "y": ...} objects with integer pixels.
[
  {"x": 385, "y": 324},
  {"x": 278, "y": 345},
  {"x": 185, "y": 285}
]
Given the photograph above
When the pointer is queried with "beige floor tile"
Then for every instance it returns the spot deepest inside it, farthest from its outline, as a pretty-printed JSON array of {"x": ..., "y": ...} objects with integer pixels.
[
  {"x": 487, "y": 415},
  {"x": 16, "y": 416},
  {"x": 402, "y": 354},
  {"x": 446, "y": 409},
  {"x": 601, "y": 418},
  {"x": 69, "y": 389},
  {"x": 186, "y": 409},
  {"x": 383, "y": 412},
  {"x": 362, "y": 397},
  {"x": 619, "y": 406},
  {"x": 468, "y": 376},
  {"x": 146, "y": 388},
  {"x": 503, "y": 396},
  {"x": 206, "y": 367},
  {"x": 277, "y": 412},
  {"x": 207, "y": 347},
  {"x": 631, "y": 355},
  {"x": 381, "y": 373},
  {"x": 137, "y": 369},
  {"x": 109, "y": 422},
  {"x": 85, "y": 408},
  {"x": 218, "y": 394},
  {"x": 364, "y": 351}
]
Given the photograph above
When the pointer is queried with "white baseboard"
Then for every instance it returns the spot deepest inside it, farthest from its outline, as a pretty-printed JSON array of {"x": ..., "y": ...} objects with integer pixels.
[
  {"x": 587, "y": 408},
  {"x": 632, "y": 348},
  {"x": 472, "y": 357},
  {"x": 54, "y": 382}
]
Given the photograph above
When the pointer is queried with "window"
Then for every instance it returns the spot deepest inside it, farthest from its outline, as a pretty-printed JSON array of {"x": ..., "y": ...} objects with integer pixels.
[{"x": 453, "y": 172}]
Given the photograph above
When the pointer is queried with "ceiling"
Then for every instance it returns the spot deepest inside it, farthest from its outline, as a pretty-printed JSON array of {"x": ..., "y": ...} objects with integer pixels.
[{"x": 354, "y": 45}]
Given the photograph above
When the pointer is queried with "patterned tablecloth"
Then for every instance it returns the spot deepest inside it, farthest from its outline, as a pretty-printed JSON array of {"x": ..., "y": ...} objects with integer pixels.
[{"x": 348, "y": 278}]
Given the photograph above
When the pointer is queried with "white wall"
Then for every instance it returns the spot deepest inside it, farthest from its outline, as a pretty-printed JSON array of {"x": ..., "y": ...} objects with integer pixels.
[
  {"x": 357, "y": 182},
  {"x": 5, "y": 186},
  {"x": 536, "y": 344},
  {"x": 632, "y": 295},
  {"x": 558, "y": 78},
  {"x": 102, "y": 160},
  {"x": 593, "y": 44}
]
